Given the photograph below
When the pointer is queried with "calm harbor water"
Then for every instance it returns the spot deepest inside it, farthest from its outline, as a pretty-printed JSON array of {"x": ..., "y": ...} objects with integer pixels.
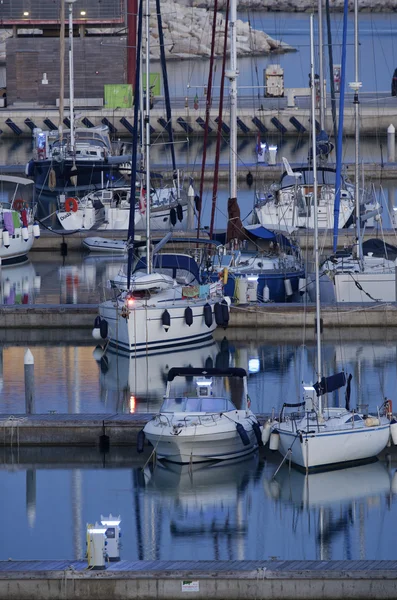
[{"x": 223, "y": 512}]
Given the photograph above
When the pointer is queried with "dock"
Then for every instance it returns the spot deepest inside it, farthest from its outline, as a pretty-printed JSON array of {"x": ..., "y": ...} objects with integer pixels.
[
  {"x": 267, "y": 316},
  {"x": 202, "y": 580}
]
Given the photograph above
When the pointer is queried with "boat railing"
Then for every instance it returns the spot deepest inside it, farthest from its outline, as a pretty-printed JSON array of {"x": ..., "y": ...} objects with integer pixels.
[{"x": 187, "y": 420}]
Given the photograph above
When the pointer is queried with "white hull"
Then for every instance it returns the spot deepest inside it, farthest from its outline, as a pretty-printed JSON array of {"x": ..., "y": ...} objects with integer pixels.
[
  {"x": 331, "y": 448},
  {"x": 285, "y": 214},
  {"x": 118, "y": 218},
  {"x": 374, "y": 287},
  {"x": 17, "y": 248},
  {"x": 143, "y": 332},
  {"x": 216, "y": 439}
]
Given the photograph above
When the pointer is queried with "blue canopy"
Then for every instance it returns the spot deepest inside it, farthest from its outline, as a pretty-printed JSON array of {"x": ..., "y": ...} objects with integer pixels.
[
  {"x": 268, "y": 234},
  {"x": 173, "y": 262}
]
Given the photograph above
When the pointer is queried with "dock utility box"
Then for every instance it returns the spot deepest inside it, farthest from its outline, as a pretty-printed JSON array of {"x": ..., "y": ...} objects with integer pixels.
[{"x": 274, "y": 81}]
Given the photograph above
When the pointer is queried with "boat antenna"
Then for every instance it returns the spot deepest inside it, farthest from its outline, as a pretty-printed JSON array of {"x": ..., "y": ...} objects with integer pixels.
[
  {"x": 315, "y": 200},
  {"x": 131, "y": 221}
]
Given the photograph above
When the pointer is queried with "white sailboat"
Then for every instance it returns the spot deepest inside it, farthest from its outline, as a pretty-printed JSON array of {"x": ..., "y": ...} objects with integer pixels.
[
  {"x": 356, "y": 276},
  {"x": 156, "y": 314},
  {"x": 320, "y": 437}
]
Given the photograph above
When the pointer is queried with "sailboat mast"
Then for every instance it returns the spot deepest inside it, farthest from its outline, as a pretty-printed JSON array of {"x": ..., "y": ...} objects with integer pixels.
[
  {"x": 71, "y": 74},
  {"x": 321, "y": 66},
  {"x": 355, "y": 87},
  {"x": 232, "y": 75},
  {"x": 147, "y": 140},
  {"x": 315, "y": 199}
]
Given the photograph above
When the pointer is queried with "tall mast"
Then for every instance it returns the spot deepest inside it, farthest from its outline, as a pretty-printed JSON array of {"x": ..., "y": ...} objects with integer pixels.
[
  {"x": 147, "y": 140},
  {"x": 71, "y": 75},
  {"x": 321, "y": 66},
  {"x": 232, "y": 74},
  {"x": 355, "y": 86},
  {"x": 316, "y": 249},
  {"x": 61, "y": 68}
]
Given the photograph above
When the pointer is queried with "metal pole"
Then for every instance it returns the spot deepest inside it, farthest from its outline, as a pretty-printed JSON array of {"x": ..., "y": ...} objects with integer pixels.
[
  {"x": 132, "y": 12},
  {"x": 61, "y": 68},
  {"x": 71, "y": 74},
  {"x": 316, "y": 246},
  {"x": 355, "y": 87},
  {"x": 147, "y": 125},
  {"x": 232, "y": 75},
  {"x": 28, "y": 362},
  {"x": 391, "y": 143},
  {"x": 321, "y": 68}
]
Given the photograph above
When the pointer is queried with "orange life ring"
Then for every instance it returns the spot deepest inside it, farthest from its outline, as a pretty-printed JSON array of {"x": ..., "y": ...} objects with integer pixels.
[
  {"x": 18, "y": 204},
  {"x": 71, "y": 205}
]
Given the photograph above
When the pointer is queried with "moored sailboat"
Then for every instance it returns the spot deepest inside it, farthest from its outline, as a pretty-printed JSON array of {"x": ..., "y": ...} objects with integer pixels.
[
  {"x": 155, "y": 313},
  {"x": 319, "y": 437}
]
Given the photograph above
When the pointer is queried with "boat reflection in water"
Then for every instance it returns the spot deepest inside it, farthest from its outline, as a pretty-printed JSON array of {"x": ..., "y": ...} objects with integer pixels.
[
  {"x": 19, "y": 284},
  {"x": 337, "y": 503},
  {"x": 136, "y": 384},
  {"x": 206, "y": 505}
]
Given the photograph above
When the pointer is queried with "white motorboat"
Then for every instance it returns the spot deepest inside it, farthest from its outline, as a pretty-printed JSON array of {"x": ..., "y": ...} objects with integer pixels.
[
  {"x": 318, "y": 437},
  {"x": 18, "y": 228},
  {"x": 203, "y": 425},
  {"x": 109, "y": 208}
]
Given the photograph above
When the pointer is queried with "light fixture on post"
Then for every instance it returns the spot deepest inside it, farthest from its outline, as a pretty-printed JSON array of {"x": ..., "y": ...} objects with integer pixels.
[{"x": 71, "y": 75}]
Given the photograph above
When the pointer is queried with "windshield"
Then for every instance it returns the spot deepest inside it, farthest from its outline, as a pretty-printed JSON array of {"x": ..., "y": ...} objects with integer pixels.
[{"x": 190, "y": 405}]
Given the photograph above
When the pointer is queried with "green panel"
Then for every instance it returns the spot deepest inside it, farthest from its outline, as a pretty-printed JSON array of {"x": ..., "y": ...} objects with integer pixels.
[
  {"x": 118, "y": 95},
  {"x": 154, "y": 83}
]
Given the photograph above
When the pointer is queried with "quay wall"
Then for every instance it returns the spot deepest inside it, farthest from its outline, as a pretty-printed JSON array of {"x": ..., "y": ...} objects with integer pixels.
[
  {"x": 215, "y": 580},
  {"x": 265, "y": 316},
  {"x": 186, "y": 121}
]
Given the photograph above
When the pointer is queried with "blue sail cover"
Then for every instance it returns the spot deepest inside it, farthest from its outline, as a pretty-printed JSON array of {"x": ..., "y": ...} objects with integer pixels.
[
  {"x": 330, "y": 384},
  {"x": 172, "y": 262}
]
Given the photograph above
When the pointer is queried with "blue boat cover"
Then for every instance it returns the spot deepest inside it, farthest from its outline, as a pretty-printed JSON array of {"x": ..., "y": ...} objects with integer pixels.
[
  {"x": 268, "y": 234},
  {"x": 330, "y": 384},
  {"x": 174, "y": 262}
]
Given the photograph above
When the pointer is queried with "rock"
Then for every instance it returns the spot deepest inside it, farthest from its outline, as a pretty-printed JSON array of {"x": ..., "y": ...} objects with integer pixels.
[{"x": 188, "y": 31}]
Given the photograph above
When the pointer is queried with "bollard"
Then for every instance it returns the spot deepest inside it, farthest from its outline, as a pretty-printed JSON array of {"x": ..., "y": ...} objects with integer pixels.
[
  {"x": 28, "y": 362},
  {"x": 190, "y": 208},
  {"x": 391, "y": 144}
]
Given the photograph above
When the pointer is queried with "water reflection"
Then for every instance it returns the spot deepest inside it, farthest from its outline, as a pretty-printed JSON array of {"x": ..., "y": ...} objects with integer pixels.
[
  {"x": 19, "y": 284},
  {"x": 204, "y": 505},
  {"x": 224, "y": 511},
  {"x": 85, "y": 381},
  {"x": 334, "y": 508}
]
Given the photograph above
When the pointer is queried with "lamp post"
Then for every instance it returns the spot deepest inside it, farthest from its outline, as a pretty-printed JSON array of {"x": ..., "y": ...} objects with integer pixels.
[{"x": 71, "y": 74}]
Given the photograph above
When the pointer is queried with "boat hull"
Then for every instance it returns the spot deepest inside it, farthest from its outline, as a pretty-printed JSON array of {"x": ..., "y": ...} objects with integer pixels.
[
  {"x": 365, "y": 287},
  {"x": 18, "y": 248},
  {"x": 143, "y": 331},
  {"x": 89, "y": 174},
  {"x": 274, "y": 280},
  {"x": 332, "y": 448},
  {"x": 201, "y": 443}
]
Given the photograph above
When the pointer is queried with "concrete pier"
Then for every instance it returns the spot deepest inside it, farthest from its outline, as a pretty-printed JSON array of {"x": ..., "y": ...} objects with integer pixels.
[
  {"x": 286, "y": 316},
  {"x": 202, "y": 580}
]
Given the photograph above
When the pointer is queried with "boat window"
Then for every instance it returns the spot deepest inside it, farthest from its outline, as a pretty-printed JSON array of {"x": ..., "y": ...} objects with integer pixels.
[
  {"x": 354, "y": 418},
  {"x": 216, "y": 405},
  {"x": 174, "y": 405}
]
